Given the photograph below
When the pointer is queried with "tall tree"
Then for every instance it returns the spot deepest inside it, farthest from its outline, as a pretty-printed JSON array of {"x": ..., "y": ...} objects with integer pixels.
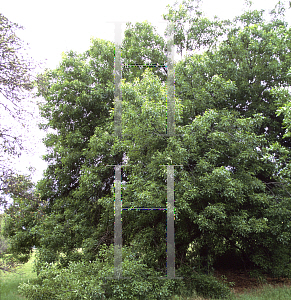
[
  {"x": 79, "y": 97},
  {"x": 232, "y": 192}
]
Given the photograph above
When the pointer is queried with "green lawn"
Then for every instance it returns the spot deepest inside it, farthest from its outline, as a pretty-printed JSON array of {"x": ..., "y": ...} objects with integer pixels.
[
  {"x": 268, "y": 293},
  {"x": 11, "y": 280}
]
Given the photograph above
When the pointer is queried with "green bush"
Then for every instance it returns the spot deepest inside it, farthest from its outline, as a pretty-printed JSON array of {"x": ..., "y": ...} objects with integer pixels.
[
  {"x": 203, "y": 285},
  {"x": 9, "y": 262},
  {"x": 3, "y": 245},
  {"x": 86, "y": 280},
  {"x": 208, "y": 286},
  {"x": 4, "y": 242}
]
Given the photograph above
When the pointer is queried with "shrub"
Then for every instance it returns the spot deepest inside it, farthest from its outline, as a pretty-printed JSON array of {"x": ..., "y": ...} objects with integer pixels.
[
  {"x": 203, "y": 285},
  {"x": 3, "y": 245},
  {"x": 86, "y": 280},
  {"x": 4, "y": 242}
]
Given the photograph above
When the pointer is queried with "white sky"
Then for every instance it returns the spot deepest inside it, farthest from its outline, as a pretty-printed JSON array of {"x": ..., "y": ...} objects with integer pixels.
[{"x": 52, "y": 27}]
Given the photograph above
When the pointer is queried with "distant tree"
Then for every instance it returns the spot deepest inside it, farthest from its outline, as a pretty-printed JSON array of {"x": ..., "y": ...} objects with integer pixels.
[
  {"x": 3, "y": 241},
  {"x": 26, "y": 212},
  {"x": 16, "y": 85}
]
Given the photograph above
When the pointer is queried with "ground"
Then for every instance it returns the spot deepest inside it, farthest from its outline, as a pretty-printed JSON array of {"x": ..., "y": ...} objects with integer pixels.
[{"x": 243, "y": 282}]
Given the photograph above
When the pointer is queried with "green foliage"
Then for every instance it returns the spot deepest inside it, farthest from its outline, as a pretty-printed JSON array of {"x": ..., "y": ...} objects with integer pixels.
[
  {"x": 203, "y": 285},
  {"x": 16, "y": 275},
  {"x": 232, "y": 193},
  {"x": 284, "y": 107},
  {"x": 3, "y": 241},
  {"x": 16, "y": 84},
  {"x": 192, "y": 30},
  {"x": 86, "y": 280},
  {"x": 19, "y": 219},
  {"x": 143, "y": 46}
]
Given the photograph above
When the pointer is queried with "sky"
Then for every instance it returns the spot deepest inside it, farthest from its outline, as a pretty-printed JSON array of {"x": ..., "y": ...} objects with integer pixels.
[{"x": 52, "y": 27}]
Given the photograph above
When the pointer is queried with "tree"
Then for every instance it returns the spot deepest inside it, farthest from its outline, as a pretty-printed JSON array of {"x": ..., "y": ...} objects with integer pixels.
[
  {"x": 20, "y": 218},
  {"x": 192, "y": 30},
  {"x": 217, "y": 192},
  {"x": 16, "y": 85},
  {"x": 3, "y": 242},
  {"x": 233, "y": 191},
  {"x": 241, "y": 76},
  {"x": 84, "y": 87},
  {"x": 143, "y": 36},
  {"x": 284, "y": 107}
]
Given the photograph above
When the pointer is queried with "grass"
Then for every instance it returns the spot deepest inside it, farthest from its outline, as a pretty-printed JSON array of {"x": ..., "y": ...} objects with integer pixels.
[
  {"x": 266, "y": 293},
  {"x": 23, "y": 273},
  {"x": 11, "y": 280}
]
